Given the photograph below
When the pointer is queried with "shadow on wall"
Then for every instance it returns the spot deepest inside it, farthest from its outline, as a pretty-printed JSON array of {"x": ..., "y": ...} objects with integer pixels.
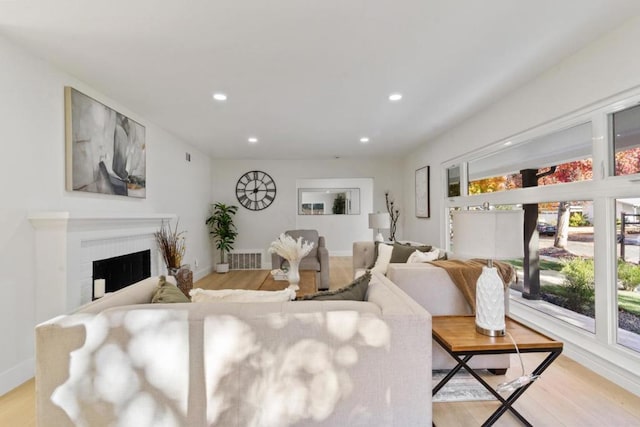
[{"x": 134, "y": 368}]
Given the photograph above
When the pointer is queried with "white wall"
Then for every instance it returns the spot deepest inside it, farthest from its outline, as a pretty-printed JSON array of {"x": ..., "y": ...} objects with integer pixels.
[
  {"x": 33, "y": 179},
  {"x": 602, "y": 69},
  {"x": 258, "y": 229}
]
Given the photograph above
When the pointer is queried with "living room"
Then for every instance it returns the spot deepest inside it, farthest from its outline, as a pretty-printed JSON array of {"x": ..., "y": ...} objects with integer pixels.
[{"x": 589, "y": 68}]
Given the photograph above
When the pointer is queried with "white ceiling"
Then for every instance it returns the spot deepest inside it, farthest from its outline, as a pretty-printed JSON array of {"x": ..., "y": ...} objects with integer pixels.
[{"x": 307, "y": 77}]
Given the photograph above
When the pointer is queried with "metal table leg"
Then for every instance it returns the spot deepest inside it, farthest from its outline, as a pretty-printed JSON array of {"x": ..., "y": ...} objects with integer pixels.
[{"x": 505, "y": 404}]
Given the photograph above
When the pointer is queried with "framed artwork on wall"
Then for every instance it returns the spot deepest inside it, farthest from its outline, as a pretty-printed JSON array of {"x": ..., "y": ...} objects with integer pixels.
[
  {"x": 423, "y": 208},
  {"x": 105, "y": 150}
]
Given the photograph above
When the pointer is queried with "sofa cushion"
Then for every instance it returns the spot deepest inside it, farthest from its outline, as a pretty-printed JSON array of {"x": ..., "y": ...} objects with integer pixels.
[
  {"x": 384, "y": 257},
  {"x": 241, "y": 295},
  {"x": 401, "y": 253},
  {"x": 355, "y": 291},
  {"x": 168, "y": 293},
  {"x": 418, "y": 256}
]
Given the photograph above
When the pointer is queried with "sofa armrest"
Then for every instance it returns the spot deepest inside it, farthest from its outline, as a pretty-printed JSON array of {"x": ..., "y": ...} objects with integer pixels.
[
  {"x": 433, "y": 289},
  {"x": 276, "y": 261},
  {"x": 409, "y": 351},
  {"x": 137, "y": 293}
]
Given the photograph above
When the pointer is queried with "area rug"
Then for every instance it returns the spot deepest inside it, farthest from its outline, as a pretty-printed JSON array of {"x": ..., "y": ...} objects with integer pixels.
[{"x": 461, "y": 388}]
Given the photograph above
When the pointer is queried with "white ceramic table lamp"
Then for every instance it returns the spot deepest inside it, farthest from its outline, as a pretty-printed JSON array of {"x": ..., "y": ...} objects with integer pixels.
[
  {"x": 378, "y": 221},
  {"x": 489, "y": 234}
]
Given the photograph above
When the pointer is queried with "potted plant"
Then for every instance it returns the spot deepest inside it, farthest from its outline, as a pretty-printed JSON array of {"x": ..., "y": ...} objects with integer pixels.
[{"x": 223, "y": 231}]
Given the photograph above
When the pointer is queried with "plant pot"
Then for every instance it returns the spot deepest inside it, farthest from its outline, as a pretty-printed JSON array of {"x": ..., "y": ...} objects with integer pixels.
[{"x": 222, "y": 268}]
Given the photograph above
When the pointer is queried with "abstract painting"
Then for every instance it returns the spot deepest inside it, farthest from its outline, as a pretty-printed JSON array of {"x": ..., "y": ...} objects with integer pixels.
[
  {"x": 105, "y": 150},
  {"x": 423, "y": 208}
]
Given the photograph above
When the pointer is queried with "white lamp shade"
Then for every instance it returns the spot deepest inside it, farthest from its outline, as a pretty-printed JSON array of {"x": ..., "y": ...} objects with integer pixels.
[
  {"x": 488, "y": 234},
  {"x": 379, "y": 220}
]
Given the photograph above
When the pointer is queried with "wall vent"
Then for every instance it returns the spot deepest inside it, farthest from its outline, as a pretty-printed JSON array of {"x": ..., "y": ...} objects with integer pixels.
[{"x": 245, "y": 260}]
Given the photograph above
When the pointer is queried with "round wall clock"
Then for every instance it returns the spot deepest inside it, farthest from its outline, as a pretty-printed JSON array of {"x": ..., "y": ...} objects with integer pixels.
[{"x": 256, "y": 190}]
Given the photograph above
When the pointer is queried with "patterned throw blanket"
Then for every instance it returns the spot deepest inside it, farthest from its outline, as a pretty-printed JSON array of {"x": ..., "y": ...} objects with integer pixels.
[{"x": 465, "y": 275}]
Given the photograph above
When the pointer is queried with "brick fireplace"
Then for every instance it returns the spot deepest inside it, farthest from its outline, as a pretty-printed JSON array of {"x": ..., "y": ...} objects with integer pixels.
[{"x": 67, "y": 244}]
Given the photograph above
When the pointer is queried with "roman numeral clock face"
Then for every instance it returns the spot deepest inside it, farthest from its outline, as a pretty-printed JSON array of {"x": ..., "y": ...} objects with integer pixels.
[{"x": 256, "y": 190}]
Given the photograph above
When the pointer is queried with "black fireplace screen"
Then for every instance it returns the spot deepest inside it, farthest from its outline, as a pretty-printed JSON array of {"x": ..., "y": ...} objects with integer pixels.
[{"x": 121, "y": 271}]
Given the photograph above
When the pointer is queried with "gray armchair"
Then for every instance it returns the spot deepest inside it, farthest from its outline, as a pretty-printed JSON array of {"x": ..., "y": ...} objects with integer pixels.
[{"x": 317, "y": 260}]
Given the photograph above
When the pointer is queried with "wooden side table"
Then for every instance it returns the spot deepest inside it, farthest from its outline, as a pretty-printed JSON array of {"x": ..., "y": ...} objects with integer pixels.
[{"x": 458, "y": 336}]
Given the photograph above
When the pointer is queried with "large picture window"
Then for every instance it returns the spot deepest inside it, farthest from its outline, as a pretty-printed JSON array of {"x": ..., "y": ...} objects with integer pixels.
[
  {"x": 580, "y": 277},
  {"x": 560, "y": 157}
]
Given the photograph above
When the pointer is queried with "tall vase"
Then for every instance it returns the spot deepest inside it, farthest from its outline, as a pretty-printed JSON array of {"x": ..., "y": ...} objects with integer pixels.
[{"x": 293, "y": 275}]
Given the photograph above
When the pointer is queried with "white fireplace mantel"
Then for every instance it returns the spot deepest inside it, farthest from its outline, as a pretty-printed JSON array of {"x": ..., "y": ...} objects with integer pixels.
[
  {"x": 68, "y": 242},
  {"x": 94, "y": 220}
]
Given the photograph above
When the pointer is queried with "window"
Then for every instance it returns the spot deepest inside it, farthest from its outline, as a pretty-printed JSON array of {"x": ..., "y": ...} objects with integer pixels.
[
  {"x": 560, "y": 157},
  {"x": 625, "y": 126},
  {"x": 562, "y": 223},
  {"x": 628, "y": 271},
  {"x": 453, "y": 181},
  {"x": 565, "y": 270}
]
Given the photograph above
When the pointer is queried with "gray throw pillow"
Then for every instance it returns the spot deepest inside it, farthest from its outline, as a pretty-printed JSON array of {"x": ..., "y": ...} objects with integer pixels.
[
  {"x": 355, "y": 291},
  {"x": 401, "y": 253},
  {"x": 168, "y": 293}
]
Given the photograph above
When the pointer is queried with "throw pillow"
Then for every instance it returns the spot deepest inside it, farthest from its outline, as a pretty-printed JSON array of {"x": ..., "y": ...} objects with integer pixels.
[
  {"x": 401, "y": 253},
  {"x": 375, "y": 254},
  {"x": 383, "y": 259},
  {"x": 168, "y": 293},
  {"x": 355, "y": 291},
  {"x": 419, "y": 257},
  {"x": 241, "y": 295}
]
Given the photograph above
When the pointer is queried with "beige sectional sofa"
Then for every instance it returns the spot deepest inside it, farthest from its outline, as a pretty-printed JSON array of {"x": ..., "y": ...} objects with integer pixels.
[
  {"x": 433, "y": 289},
  {"x": 122, "y": 361}
]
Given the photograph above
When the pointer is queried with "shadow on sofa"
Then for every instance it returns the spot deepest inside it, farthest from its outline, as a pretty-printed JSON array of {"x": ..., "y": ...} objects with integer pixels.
[{"x": 320, "y": 363}]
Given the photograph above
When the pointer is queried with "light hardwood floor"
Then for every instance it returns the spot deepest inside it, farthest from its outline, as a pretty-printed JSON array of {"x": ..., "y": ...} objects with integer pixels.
[{"x": 567, "y": 394}]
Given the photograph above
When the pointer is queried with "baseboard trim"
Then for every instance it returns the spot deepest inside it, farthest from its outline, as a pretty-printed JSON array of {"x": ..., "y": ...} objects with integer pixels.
[
  {"x": 17, "y": 375},
  {"x": 202, "y": 272}
]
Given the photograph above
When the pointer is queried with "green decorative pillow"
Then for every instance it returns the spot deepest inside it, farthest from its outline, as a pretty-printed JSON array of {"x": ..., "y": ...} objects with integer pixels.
[
  {"x": 401, "y": 253},
  {"x": 168, "y": 293},
  {"x": 355, "y": 291}
]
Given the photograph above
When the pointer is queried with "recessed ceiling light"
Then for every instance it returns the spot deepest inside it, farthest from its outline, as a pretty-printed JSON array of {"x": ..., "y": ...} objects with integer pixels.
[
  {"x": 219, "y": 96},
  {"x": 364, "y": 139},
  {"x": 508, "y": 143},
  {"x": 252, "y": 140},
  {"x": 395, "y": 97}
]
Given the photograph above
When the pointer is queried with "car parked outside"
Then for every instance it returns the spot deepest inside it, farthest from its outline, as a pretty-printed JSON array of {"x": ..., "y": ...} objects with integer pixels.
[{"x": 545, "y": 229}]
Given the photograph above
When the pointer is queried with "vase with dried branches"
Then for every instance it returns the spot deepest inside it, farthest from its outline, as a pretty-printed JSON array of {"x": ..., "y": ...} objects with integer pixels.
[
  {"x": 293, "y": 251},
  {"x": 394, "y": 213},
  {"x": 171, "y": 245}
]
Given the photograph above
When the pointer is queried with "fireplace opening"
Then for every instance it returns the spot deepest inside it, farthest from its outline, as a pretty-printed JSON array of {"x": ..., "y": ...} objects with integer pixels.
[{"x": 122, "y": 271}]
